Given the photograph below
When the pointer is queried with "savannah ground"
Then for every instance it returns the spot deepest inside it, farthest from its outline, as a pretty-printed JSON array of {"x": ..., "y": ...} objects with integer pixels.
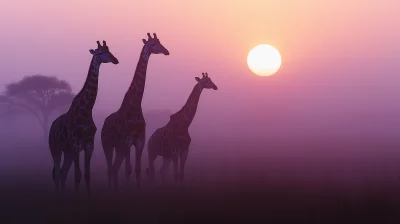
[{"x": 325, "y": 180}]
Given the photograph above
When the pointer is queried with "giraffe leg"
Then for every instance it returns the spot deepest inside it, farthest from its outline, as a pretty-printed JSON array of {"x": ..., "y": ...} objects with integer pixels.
[
  {"x": 108, "y": 153},
  {"x": 139, "y": 146},
  {"x": 88, "y": 157},
  {"x": 77, "y": 171},
  {"x": 56, "y": 169},
  {"x": 183, "y": 158},
  {"x": 128, "y": 166},
  {"x": 164, "y": 168},
  {"x": 176, "y": 173},
  {"x": 68, "y": 159},
  {"x": 119, "y": 158},
  {"x": 152, "y": 155}
]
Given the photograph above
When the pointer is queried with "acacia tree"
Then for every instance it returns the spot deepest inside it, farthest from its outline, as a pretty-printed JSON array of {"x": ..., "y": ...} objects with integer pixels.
[{"x": 38, "y": 95}]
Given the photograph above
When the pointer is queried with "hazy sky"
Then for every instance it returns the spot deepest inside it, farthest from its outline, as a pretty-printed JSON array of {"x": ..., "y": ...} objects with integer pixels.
[{"x": 340, "y": 58}]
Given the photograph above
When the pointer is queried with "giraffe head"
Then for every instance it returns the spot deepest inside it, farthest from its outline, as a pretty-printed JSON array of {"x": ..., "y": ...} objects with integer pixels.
[
  {"x": 206, "y": 82},
  {"x": 154, "y": 46},
  {"x": 104, "y": 54}
]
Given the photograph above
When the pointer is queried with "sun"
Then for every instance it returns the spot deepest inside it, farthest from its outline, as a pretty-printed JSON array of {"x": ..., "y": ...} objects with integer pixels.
[{"x": 264, "y": 60}]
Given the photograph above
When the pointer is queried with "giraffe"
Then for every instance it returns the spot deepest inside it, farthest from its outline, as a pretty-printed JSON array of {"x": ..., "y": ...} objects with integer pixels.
[
  {"x": 173, "y": 140},
  {"x": 126, "y": 126},
  {"x": 75, "y": 130}
]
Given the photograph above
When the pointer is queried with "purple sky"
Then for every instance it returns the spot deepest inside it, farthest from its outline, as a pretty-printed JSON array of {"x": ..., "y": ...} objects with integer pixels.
[{"x": 340, "y": 68}]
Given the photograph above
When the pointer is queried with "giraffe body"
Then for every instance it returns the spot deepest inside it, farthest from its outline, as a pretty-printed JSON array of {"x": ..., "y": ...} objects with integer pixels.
[
  {"x": 173, "y": 140},
  {"x": 70, "y": 134},
  {"x": 168, "y": 142},
  {"x": 75, "y": 130},
  {"x": 126, "y": 127}
]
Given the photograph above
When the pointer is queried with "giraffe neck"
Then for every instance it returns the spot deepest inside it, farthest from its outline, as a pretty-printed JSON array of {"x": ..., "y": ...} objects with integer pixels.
[
  {"x": 185, "y": 115},
  {"x": 86, "y": 98},
  {"x": 133, "y": 97}
]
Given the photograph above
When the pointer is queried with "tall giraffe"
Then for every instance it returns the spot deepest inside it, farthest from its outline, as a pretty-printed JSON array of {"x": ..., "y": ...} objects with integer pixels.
[
  {"x": 172, "y": 141},
  {"x": 75, "y": 130},
  {"x": 126, "y": 126}
]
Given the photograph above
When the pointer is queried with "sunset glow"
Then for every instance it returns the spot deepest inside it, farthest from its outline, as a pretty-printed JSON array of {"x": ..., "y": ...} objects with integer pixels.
[{"x": 163, "y": 110}]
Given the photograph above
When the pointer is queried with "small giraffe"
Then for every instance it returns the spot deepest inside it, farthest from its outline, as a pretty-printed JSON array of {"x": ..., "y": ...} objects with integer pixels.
[
  {"x": 172, "y": 141},
  {"x": 126, "y": 126},
  {"x": 75, "y": 130}
]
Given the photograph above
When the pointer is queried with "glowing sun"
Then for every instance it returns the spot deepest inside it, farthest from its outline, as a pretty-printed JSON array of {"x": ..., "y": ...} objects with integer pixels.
[{"x": 264, "y": 60}]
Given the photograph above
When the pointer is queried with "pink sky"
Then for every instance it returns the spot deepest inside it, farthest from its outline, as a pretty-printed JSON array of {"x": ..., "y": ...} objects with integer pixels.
[{"x": 340, "y": 58}]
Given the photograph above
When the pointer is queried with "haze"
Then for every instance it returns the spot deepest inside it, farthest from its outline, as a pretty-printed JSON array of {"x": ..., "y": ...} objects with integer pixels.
[{"x": 339, "y": 76}]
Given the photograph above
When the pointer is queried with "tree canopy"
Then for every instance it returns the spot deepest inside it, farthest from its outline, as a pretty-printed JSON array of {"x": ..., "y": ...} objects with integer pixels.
[{"x": 38, "y": 95}]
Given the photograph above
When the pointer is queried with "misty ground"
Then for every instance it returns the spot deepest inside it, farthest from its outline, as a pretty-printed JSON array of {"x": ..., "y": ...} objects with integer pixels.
[{"x": 325, "y": 180}]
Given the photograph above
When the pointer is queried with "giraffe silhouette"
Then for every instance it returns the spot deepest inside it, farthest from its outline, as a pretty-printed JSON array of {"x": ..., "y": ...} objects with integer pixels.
[
  {"x": 75, "y": 130},
  {"x": 126, "y": 126},
  {"x": 173, "y": 140}
]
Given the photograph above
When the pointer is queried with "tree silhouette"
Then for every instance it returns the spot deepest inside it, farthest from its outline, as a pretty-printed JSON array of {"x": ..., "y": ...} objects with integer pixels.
[{"x": 38, "y": 95}]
